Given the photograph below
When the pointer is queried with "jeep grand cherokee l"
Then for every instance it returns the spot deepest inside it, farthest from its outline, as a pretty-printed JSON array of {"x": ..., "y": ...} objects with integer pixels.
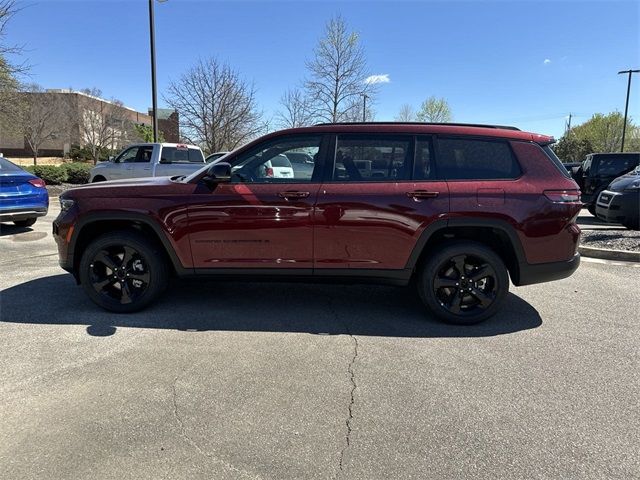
[{"x": 454, "y": 209}]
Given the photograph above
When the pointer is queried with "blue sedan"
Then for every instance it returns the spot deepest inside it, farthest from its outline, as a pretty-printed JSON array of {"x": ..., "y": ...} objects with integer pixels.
[{"x": 23, "y": 196}]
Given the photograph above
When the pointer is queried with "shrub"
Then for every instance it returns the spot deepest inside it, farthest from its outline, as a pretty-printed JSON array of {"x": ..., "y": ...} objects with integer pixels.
[
  {"x": 77, "y": 173},
  {"x": 29, "y": 168},
  {"x": 50, "y": 174}
]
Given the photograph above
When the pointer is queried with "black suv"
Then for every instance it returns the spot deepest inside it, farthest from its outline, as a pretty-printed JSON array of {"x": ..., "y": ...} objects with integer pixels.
[{"x": 599, "y": 170}]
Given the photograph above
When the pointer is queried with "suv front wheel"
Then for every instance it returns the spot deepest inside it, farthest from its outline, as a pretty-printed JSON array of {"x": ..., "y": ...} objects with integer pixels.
[
  {"x": 463, "y": 282},
  {"x": 123, "y": 271}
]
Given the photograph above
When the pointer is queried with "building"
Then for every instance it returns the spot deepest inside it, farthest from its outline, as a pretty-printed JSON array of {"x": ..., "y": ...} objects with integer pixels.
[
  {"x": 168, "y": 124},
  {"x": 83, "y": 119}
]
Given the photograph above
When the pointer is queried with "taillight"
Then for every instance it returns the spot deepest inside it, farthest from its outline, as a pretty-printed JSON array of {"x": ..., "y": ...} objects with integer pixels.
[
  {"x": 37, "y": 182},
  {"x": 269, "y": 172},
  {"x": 563, "y": 196}
]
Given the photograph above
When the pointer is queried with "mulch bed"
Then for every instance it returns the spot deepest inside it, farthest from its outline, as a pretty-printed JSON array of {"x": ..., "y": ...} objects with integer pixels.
[{"x": 628, "y": 240}]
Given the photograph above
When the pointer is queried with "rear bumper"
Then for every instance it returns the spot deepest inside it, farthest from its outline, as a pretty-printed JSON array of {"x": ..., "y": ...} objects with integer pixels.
[
  {"x": 546, "y": 272},
  {"x": 18, "y": 214}
]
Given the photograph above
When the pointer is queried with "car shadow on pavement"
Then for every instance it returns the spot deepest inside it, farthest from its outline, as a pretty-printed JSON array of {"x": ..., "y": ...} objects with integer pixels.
[
  {"x": 7, "y": 229},
  {"x": 195, "y": 306}
]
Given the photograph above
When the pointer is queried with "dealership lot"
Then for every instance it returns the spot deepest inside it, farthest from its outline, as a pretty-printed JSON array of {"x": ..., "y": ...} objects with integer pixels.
[{"x": 247, "y": 380}]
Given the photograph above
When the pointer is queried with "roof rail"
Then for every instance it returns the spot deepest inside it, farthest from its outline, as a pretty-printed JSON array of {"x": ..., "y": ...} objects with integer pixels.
[{"x": 481, "y": 125}]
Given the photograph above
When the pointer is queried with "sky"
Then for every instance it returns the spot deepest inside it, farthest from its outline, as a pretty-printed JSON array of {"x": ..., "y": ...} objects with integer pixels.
[{"x": 528, "y": 64}]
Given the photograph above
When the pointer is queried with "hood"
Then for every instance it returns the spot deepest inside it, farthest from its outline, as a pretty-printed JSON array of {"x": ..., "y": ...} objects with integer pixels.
[
  {"x": 625, "y": 181},
  {"x": 126, "y": 188}
]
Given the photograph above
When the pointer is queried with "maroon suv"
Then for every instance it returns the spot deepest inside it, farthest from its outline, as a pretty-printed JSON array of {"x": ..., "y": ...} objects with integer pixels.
[{"x": 455, "y": 209}]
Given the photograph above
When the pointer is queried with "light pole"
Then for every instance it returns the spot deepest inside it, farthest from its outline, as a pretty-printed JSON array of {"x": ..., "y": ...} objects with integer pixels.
[
  {"x": 154, "y": 92},
  {"x": 364, "y": 107},
  {"x": 626, "y": 105}
]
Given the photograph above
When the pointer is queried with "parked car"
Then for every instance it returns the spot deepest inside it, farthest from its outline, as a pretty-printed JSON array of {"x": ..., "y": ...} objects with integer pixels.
[
  {"x": 150, "y": 160},
  {"x": 598, "y": 170},
  {"x": 215, "y": 156},
  {"x": 620, "y": 202},
  {"x": 23, "y": 196},
  {"x": 302, "y": 164},
  {"x": 459, "y": 210},
  {"x": 572, "y": 167}
]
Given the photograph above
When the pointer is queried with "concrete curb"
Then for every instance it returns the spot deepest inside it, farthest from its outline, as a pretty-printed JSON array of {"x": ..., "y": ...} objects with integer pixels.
[{"x": 607, "y": 254}]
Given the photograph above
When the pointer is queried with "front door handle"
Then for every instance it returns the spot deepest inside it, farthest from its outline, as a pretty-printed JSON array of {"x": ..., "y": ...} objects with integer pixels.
[
  {"x": 293, "y": 194},
  {"x": 422, "y": 194}
]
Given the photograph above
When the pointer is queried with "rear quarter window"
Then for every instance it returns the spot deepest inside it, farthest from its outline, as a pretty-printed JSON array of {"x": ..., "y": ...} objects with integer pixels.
[{"x": 476, "y": 159}]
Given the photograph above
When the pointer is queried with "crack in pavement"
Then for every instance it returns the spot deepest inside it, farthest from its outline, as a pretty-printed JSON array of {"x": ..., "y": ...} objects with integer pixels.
[
  {"x": 352, "y": 379},
  {"x": 194, "y": 444}
]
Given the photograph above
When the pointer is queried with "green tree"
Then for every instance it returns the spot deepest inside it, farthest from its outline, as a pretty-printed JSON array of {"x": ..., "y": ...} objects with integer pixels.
[
  {"x": 145, "y": 133},
  {"x": 435, "y": 110},
  {"x": 571, "y": 149},
  {"x": 604, "y": 133}
]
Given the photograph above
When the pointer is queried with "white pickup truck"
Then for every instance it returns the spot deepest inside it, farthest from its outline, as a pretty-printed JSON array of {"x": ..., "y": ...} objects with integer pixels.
[{"x": 150, "y": 160}]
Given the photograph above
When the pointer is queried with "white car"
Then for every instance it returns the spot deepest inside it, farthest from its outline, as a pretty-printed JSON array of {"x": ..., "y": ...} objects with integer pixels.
[{"x": 278, "y": 167}]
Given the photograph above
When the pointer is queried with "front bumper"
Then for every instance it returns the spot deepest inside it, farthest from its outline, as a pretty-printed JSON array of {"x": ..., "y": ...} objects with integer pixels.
[{"x": 618, "y": 207}]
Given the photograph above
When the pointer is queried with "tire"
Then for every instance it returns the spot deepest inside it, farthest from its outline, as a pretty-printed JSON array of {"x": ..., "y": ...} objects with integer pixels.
[
  {"x": 98, "y": 179},
  {"x": 123, "y": 271},
  {"x": 25, "y": 223},
  {"x": 440, "y": 282},
  {"x": 592, "y": 209}
]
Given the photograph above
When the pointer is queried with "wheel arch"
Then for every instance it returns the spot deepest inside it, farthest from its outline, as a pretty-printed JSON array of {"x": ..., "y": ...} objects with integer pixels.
[
  {"x": 95, "y": 225},
  {"x": 496, "y": 234}
]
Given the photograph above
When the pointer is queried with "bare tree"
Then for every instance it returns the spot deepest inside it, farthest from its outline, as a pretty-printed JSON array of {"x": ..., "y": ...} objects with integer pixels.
[
  {"x": 406, "y": 114},
  {"x": 103, "y": 125},
  {"x": 434, "y": 110},
  {"x": 296, "y": 110},
  {"x": 8, "y": 70},
  {"x": 337, "y": 74},
  {"x": 10, "y": 108},
  {"x": 356, "y": 106},
  {"x": 43, "y": 117},
  {"x": 217, "y": 108}
]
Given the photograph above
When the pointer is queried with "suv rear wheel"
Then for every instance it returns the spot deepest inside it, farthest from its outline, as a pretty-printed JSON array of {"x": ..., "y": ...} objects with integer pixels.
[
  {"x": 463, "y": 282},
  {"x": 123, "y": 272}
]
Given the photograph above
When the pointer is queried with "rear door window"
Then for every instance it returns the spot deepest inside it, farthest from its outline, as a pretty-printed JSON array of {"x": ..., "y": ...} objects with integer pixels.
[
  {"x": 476, "y": 159},
  {"x": 371, "y": 158}
]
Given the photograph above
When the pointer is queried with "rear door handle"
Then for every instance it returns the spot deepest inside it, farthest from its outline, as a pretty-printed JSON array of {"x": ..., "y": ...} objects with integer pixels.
[
  {"x": 422, "y": 194},
  {"x": 293, "y": 194}
]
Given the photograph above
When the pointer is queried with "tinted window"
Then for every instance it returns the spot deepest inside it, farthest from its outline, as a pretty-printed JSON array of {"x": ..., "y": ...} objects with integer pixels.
[
  {"x": 424, "y": 168},
  {"x": 616, "y": 164},
  {"x": 181, "y": 155},
  {"x": 371, "y": 159},
  {"x": 476, "y": 159},
  {"x": 7, "y": 167},
  {"x": 144, "y": 154}
]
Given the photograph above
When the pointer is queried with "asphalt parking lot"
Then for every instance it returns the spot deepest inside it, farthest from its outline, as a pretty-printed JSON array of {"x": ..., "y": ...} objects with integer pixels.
[{"x": 245, "y": 380}]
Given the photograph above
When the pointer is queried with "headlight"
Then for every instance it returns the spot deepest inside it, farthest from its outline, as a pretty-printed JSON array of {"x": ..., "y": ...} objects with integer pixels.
[
  {"x": 66, "y": 204},
  {"x": 634, "y": 186}
]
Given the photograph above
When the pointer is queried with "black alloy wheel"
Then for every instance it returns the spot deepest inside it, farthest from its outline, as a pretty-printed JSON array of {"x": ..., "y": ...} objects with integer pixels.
[
  {"x": 464, "y": 282},
  {"x": 123, "y": 271}
]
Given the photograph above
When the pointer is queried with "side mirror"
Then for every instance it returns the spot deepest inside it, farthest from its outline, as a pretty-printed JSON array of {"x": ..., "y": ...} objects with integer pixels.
[
  {"x": 164, "y": 160},
  {"x": 219, "y": 172},
  {"x": 111, "y": 158}
]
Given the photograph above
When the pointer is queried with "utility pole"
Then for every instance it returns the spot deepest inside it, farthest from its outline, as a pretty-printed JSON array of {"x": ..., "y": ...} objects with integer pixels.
[
  {"x": 626, "y": 105},
  {"x": 154, "y": 93},
  {"x": 567, "y": 125},
  {"x": 364, "y": 107}
]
